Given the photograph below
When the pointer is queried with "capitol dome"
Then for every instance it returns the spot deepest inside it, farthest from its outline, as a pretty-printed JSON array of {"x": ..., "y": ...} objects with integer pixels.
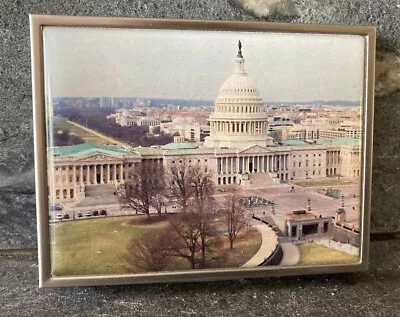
[
  {"x": 238, "y": 119},
  {"x": 238, "y": 88}
]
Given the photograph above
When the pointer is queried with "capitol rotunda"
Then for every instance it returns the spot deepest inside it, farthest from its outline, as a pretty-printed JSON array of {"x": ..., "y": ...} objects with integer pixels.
[{"x": 238, "y": 120}]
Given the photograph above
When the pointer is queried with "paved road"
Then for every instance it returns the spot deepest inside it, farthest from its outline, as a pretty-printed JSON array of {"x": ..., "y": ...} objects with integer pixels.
[
  {"x": 291, "y": 254},
  {"x": 268, "y": 244}
]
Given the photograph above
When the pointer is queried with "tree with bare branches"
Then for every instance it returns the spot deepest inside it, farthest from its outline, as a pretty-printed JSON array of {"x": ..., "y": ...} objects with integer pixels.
[
  {"x": 180, "y": 178},
  {"x": 234, "y": 215},
  {"x": 195, "y": 237},
  {"x": 142, "y": 186},
  {"x": 150, "y": 252},
  {"x": 185, "y": 238}
]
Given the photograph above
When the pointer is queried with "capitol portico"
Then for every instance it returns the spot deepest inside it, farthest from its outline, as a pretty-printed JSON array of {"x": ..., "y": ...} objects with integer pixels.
[{"x": 239, "y": 150}]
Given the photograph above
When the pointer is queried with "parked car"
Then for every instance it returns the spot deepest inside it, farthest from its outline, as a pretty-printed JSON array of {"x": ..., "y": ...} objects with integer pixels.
[
  {"x": 59, "y": 216},
  {"x": 79, "y": 215},
  {"x": 66, "y": 217},
  {"x": 88, "y": 214},
  {"x": 95, "y": 213},
  {"x": 103, "y": 212}
]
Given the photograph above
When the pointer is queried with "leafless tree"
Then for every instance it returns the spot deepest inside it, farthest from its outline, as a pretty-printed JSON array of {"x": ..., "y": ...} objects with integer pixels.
[
  {"x": 185, "y": 238},
  {"x": 196, "y": 237},
  {"x": 150, "y": 252},
  {"x": 234, "y": 215},
  {"x": 202, "y": 187},
  {"x": 158, "y": 202},
  {"x": 142, "y": 186},
  {"x": 204, "y": 215},
  {"x": 180, "y": 178}
]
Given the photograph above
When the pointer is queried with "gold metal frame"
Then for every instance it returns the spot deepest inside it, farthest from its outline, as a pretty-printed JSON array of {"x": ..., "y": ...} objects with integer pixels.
[{"x": 37, "y": 22}]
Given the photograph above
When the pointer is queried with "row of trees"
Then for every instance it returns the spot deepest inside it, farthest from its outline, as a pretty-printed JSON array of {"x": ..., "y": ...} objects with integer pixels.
[{"x": 194, "y": 232}]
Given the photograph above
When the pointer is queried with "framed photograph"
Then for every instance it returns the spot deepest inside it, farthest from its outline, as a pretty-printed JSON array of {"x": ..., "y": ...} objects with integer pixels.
[{"x": 173, "y": 151}]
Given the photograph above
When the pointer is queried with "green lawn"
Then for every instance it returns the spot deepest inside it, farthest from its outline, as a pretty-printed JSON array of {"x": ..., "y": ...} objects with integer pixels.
[
  {"x": 63, "y": 124},
  {"x": 312, "y": 253},
  {"x": 93, "y": 246},
  {"x": 97, "y": 246}
]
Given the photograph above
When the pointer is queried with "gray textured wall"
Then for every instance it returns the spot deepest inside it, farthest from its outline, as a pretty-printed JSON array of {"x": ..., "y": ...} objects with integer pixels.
[{"x": 17, "y": 207}]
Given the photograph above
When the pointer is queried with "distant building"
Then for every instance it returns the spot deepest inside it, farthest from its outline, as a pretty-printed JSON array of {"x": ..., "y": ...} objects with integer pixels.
[
  {"x": 186, "y": 127},
  {"x": 126, "y": 118},
  {"x": 239, "y": 149}
]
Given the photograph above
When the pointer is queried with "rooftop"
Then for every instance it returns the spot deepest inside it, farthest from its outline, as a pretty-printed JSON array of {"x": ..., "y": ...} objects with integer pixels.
[
  {"x": 293, "y": 142},
  {"x": 86, "y": 149},
  {"x": 180, "y": 146},
  {"x": 341, "y": 141}
]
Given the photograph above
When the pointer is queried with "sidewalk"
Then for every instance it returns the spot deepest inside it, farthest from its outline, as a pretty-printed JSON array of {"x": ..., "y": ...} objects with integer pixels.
[
  {"x": 268, "y": 245},
  {"x": 291, "y": 254}
]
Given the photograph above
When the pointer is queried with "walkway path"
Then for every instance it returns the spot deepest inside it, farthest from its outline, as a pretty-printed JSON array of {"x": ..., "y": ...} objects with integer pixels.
[
  {"x": 102, "y": 136},
  {"x": 291, "y": 254},
  {"x": 268, "y": 244}
]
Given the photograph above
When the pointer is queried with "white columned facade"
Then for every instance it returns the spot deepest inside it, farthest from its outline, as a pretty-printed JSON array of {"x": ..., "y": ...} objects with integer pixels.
[{"x": 114, "y": 173}]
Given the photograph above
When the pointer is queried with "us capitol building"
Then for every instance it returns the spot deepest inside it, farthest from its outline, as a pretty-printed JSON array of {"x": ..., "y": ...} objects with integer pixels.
[{"x": 238, "y": 150}]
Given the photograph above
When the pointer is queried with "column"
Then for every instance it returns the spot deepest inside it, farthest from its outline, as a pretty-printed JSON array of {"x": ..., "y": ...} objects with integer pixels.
[
  {"x": 108, "y": 173},
  {"x": 225, "y": 165},
  {"x": 88, "y": 174},
  {"x": 74, "y": 174},
  {"x": 121, "y": 173},
  {"x": 101, "y": 174},
  {"x": 114, "y": 173},
  {"x": 81, "y": 174},
  {"x": 263, "y": 163},
  {"x": 95, "y": 174}
]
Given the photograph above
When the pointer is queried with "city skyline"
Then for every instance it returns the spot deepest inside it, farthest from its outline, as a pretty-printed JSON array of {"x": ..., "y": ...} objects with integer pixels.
[{"x": 197, "y": 71}]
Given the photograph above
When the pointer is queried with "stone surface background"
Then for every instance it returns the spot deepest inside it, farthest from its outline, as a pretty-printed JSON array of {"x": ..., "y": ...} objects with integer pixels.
[
  {"x": 363, "y": 294},
  {"x": 371, "y": 294},
  {"x": 17, "y": 207}
]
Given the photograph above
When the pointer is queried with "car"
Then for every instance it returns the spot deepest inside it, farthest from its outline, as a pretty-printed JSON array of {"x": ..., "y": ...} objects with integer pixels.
[
  {"x": 59, "y": 216},
  {"x": 79, "y": 215},
  {"x": 66, "y": 217},
  {"x": 95, "y": 213},
  {"x": 103, "y": 212},
  {"x": 88, "y": 214}
]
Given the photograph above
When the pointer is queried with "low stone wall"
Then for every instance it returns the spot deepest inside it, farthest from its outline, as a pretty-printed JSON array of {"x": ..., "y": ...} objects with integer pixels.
[
  {"x": 275, "y": 258},
  {"x": 345, "y": 235}
]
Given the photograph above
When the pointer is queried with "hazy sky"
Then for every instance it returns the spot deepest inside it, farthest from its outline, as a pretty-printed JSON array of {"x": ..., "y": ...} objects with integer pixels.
[{"x": 178, "y": 64}]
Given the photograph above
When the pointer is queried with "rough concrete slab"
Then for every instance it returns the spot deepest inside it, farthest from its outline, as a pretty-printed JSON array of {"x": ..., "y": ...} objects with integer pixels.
[{"x": 374, "y": 293}]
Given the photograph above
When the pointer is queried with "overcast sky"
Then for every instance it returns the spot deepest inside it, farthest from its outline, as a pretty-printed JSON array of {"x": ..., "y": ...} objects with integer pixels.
[{"x": 177, "y": 64}]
